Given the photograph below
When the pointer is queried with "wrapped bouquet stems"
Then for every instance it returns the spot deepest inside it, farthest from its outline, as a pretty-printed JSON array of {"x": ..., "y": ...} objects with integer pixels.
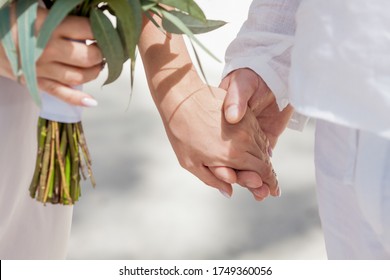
[
  {"x": 62, "y": 154},
  {"x": 62, "y": 160}
]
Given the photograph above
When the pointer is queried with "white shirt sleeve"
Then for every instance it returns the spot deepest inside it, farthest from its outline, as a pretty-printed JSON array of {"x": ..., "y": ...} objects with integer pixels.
[
  {"x": 340, "y": 63},
  {"x": 264, "y": 45}
]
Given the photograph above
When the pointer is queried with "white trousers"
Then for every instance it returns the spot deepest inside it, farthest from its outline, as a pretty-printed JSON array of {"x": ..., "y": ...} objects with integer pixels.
[
  {"x": 28, "y": 229},
  {"x": 353, "y": 190}
]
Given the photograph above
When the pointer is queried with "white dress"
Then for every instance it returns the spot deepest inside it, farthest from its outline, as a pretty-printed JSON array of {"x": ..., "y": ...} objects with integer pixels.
[
  {"x": 330, "y": 60},
  {"x": 28, "y": 230}
]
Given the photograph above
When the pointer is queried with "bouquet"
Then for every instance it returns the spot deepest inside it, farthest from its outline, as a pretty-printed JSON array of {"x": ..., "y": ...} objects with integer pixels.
[{"x": 62, "y": 156}]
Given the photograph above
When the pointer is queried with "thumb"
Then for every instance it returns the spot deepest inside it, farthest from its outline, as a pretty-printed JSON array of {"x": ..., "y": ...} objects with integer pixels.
[{"x": 239, "y": 91}]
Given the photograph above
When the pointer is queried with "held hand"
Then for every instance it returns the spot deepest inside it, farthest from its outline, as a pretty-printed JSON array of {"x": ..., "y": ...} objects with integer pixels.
[
  {"x": 66, "y": 61},
  {"x": 202, "y": 140},
  {"x": 246, "y": 89}
]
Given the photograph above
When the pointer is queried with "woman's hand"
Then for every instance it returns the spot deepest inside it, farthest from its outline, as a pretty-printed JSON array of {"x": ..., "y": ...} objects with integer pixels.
[{"x": 66, "y": 61}]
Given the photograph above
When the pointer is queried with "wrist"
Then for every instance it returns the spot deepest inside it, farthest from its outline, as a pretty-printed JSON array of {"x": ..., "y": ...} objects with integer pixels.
[{"x": 169, "y": 98}]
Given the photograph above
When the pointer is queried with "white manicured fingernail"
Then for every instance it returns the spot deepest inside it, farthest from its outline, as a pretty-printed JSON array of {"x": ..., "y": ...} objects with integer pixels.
[
  {"x": 232, "y": 113},
  {"x": 225, "y": 194},
  {"x": 89, "y": 102}
]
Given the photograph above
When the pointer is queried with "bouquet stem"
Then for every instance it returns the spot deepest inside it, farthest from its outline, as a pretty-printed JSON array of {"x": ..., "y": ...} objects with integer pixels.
[{"x": 59, "y": 165}]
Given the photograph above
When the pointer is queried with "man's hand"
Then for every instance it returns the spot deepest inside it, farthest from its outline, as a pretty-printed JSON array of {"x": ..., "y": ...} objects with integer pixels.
[{"x": 245, "y": 89}]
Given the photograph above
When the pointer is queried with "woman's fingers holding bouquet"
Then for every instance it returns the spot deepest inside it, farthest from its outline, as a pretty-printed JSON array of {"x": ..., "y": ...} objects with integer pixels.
[
  {"x": 68, "y": 51},
  {"x": 71, "y": 42},
  {"x": 66, "y": 93},
  {"x": 57, "y": 78},
  {"x": 76, "y": 28},
  {"x": 75, "y": 53},
  {"x": 68, "y": 60},
  {"x": 67, "y": 74}
]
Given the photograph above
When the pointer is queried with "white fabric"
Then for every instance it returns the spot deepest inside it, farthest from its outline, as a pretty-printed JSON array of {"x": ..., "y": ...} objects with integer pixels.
[
  {"x": 57, "y": 110},
  {"x": 341, "y": 63},
  {"x": 340, "y": 74},
  {"x": 28, "y": 230},
  {"x": 353, "y": 190},
  {"x": 333, "y": 70}
]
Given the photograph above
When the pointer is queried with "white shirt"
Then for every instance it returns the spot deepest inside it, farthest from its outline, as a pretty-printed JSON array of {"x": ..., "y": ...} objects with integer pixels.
[{"x": 339, "y": 53}]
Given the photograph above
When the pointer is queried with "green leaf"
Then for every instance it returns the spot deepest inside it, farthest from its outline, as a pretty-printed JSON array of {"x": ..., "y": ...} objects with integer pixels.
[
  {"x": 7, "y": 40},
  {"x": 26, "y": 13},
  {"x": 109, "y": 42},
  {"x": 57, "y": 13},
  {"x": 183, "y": 28},
  {"x": 195, "y": 25},
  {"x": 199, "y": 63},
  {"x": 4, "y": 2},
  {"x": 137, "y": 19},
  {"x": 188, "y": 6},
  {"x": 148, "y": 4},
  {"x": 150, "y": 17},
  {"x": 122, "y": 35},
  {"x": 129, "y": 16}
]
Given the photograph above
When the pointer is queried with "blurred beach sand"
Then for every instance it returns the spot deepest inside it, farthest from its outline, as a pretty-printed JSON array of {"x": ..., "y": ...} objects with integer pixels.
[{"x": 145, "y": 206}]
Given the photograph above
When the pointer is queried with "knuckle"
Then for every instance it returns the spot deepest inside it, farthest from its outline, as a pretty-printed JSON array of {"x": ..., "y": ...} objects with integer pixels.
[
  {"x": 183, "y": 164},
  {"x": 270, "y": 179},
  {"x": 186, "y": 164},
  {"x": 47, "y": 86},
  {"x": 209, "y": 183},
  {"x": 85, "y": 27},
  {"x": 234, "y": 155},
  {"x": 94, "y": 73},
  {"x": 94, "y": 55},
  {"x": 49, "y": 52},
  {"x": 74, "y": 78},
  {"x": 243, "y": 137}
]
